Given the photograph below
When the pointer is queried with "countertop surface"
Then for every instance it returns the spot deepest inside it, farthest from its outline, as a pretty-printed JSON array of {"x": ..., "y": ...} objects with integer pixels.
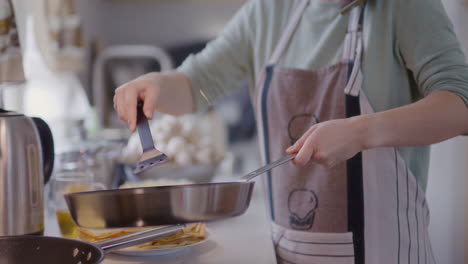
[{"x": 243, "y": 239}]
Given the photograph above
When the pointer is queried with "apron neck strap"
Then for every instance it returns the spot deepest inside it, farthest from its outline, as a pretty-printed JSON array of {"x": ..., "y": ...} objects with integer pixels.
[
  {"x": 287, "y": 35},
  {"x": 353, "y": 26},
  {"x": 355, "y": 19}
]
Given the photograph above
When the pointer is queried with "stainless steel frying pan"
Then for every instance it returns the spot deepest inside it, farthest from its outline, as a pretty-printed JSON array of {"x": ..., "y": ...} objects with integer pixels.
[
  {"x": 165, "y": 205},
  {"x": 54, "y": 250}
]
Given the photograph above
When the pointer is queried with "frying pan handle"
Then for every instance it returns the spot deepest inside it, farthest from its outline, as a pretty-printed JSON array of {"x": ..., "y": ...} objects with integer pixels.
[
  {"x": 138, "y": 238},
  {"x": 143, "y": 128}
]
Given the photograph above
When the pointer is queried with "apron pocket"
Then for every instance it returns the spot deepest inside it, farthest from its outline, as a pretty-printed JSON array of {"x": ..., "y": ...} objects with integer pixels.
[{"x": 299, "y": 247}]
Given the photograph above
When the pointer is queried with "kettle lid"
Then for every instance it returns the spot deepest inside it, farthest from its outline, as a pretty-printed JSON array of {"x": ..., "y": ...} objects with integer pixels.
[{"x": 6, "y": 113}]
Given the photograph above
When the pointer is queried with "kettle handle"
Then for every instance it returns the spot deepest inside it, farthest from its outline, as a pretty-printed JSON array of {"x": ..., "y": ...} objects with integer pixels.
[{"x": 47, "y": 146}]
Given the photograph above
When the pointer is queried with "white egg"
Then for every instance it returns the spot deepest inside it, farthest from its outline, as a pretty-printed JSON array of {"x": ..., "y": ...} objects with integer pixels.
[
  {"x": 188, "y": 118},
  {"x": 164, "y": 136},
  {"x": 167, "y": 130},
  {"x": 193, "y": 137},
  {"x": 134, "y": 141},
  {"x": 206, "y": 140},
  {"x": 183, "y": 158},
  {"x": 161, "y": 138},
  {"x": 188, "y": 128},
  {"x": 219, "y": 155},
  {"x": 154, "y": 123},
  {"x": 129, "y": 156},
  {"x": 204, "y": 155},
  {"x": 161, "y": 146},
  {"x": 175, "y": 145},
  {"x": 169, "y": 119},
  {"x": 167, "y": 123},
  {"x": 159, "y": 129},
  {"x": 132, "y": 151},
  {"x": 191, "y": 148}
]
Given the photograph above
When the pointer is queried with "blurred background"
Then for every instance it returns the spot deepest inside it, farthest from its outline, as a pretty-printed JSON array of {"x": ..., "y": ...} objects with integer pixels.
[{"x": 106, "y": 43}]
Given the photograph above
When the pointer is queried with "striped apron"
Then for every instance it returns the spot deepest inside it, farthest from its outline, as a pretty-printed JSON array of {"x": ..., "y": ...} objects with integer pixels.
[{"x": 367, "y": 210}]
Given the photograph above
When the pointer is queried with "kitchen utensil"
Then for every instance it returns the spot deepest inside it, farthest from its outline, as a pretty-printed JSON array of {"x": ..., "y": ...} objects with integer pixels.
[
  {"x": 26, "y": 163},
  {"x": 53, "y": 250},
  {"x": 148, "y": 206},
  {"x": 151, "y": 157}
]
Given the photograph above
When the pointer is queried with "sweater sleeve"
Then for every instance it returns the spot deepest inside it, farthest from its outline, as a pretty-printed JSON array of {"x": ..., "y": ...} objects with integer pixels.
[
  {"x": 430, "y": 48},
  {"x": 225, "y": 62}
]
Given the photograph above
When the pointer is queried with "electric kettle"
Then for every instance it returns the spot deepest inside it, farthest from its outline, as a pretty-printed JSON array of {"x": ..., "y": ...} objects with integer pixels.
[{"x": 26, "y": 163}]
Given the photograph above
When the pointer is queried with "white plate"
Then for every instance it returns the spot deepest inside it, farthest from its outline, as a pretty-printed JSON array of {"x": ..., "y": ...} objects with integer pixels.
[{"x": 134, "y": 252}]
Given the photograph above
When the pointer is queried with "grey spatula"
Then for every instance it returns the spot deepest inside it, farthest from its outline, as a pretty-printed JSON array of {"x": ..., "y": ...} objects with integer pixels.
[{"x": 151, "y": 157}]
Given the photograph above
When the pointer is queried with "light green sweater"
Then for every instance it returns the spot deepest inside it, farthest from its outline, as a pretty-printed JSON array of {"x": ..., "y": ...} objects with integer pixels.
[{"x": 410, "y": 50}]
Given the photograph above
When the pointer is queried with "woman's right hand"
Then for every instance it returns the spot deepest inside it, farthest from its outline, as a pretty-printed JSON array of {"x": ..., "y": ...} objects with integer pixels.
[
  {"x": 145, "y": 88},
  {"x": 168, "y": 92}
]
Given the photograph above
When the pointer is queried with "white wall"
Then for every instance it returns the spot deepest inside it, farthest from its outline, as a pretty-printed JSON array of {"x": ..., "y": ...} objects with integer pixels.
[{"x": 448, "y": 176}]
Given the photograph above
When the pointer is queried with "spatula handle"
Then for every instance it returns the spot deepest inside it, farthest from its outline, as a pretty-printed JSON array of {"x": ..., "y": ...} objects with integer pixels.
[{"x": 143, "y": 128}]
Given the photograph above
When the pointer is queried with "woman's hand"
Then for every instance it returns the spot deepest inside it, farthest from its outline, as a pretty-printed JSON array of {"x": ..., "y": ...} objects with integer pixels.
[
  {"x": 167, "y": 92},
  {"x": 145, "y": 88},
  {"x": 329, "y": 143}
]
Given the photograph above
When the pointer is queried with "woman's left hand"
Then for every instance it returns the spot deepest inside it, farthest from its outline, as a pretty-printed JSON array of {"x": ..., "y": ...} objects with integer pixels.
[{"x": 329, "y": 143}]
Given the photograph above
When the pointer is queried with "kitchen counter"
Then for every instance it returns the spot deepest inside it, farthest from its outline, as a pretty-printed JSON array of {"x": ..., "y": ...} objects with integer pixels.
[{"x": 244, "y": 239}]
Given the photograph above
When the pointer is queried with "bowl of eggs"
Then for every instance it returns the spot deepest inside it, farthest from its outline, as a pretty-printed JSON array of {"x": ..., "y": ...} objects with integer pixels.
[{"x": 195, "y": 145}]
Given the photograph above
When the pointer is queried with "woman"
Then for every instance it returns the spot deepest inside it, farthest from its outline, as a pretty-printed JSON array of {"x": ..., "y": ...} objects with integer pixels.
[{"x": 358, "y": 96}]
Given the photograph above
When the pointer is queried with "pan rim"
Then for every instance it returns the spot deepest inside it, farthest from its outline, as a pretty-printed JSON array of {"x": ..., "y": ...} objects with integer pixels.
[{"x": 156, "y": 188}]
